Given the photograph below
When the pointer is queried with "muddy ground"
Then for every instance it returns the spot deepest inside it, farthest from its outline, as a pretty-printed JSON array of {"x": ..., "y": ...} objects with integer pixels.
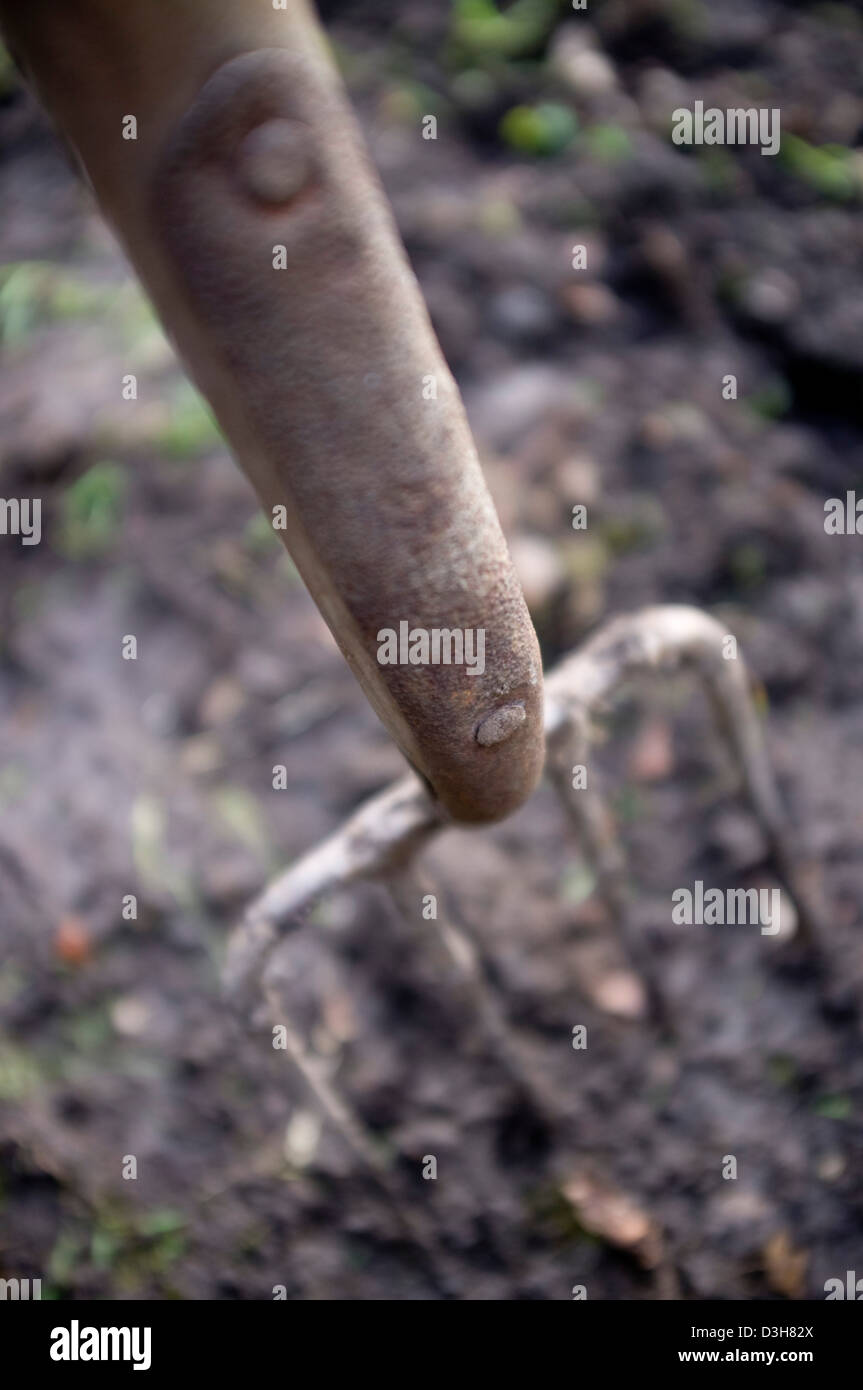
[{"x": 154, "y": 777}]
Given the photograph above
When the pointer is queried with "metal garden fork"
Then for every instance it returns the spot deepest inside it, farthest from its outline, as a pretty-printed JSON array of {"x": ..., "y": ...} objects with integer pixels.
[{"x": 222, "y": 148}]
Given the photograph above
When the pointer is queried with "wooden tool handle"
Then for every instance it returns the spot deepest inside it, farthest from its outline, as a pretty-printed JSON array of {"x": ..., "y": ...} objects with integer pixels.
[{"x": 259, "y": 227}]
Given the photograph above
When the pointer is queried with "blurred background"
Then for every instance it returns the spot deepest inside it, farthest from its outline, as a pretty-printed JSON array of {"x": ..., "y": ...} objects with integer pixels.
[{"x": 154, "y": 777}]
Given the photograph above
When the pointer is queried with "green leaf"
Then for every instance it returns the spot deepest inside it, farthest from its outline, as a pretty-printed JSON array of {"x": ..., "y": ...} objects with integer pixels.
[
  {"x": 835, "y": 1107},
  {"x": 539, "y": 130},
  {"x": 91, "y": 512}
]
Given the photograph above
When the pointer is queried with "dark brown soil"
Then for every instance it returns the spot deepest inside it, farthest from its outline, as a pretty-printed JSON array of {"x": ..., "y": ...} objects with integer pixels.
[{"x": 154, "y": 777}]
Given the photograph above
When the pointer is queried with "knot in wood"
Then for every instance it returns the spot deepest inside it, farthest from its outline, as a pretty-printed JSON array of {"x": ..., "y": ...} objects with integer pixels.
[{"x": 273, "y": 161}]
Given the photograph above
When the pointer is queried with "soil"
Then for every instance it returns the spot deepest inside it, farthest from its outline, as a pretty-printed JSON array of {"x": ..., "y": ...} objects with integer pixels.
[{"x": 153, "y": 777}]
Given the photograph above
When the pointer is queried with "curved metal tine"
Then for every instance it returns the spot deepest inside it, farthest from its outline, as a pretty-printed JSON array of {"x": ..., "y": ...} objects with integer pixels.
[
  {"x": 665, "y": 639},
  {"x": 388, "y": 831}
]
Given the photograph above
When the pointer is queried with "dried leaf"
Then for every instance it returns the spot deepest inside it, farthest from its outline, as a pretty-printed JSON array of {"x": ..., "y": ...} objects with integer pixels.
[
  {"x": 614, "y": 1217},
  {"x": 785, "y": 1266},
  {"x": 72, "y": 941}
]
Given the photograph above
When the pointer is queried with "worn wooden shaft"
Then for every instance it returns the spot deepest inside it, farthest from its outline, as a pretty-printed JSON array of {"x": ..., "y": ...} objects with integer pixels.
[{"x": 254, "y": 219}]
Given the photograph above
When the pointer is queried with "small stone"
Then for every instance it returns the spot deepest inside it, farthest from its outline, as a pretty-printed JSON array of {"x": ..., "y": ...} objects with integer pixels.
[
  {"x": 591, "y": 303},
  {"x": 621, "y": 993},
  {"x": 273, "y": 161},
  {"x": 221, "y": 702},
  {"x": 830, "y": 1167},
  {"x": 575, "y": 60},
  {"x": 576, "y": 479},
  {"x": 302, "y": 1137},
  {"x": 771, "y": 296},
  {"x": 500, "y": 725},
  {"x": 130, "y": 1015},
  {"x": 659, "y": 92},
  {"x": 788, "y": 915},
  {"x": 160, "y": 714},
  {"x": 201, "y": 754},
  {"x": 522, "y": 311},
  {"x": 656, "y": 431}
]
